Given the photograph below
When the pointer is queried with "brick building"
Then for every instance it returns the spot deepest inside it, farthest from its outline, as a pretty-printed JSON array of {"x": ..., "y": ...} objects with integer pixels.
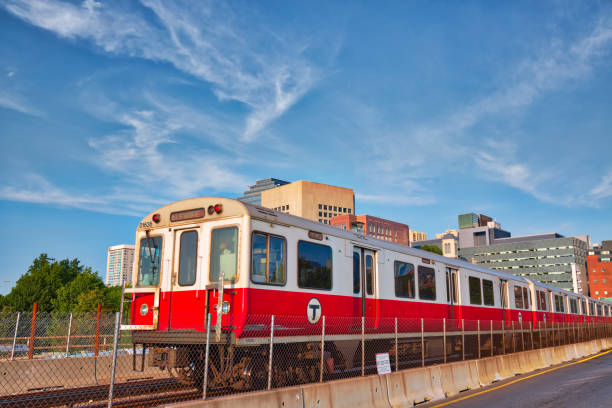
[
  {"x": 375, "y": 227},
  {"x": 599, "y": 267}
]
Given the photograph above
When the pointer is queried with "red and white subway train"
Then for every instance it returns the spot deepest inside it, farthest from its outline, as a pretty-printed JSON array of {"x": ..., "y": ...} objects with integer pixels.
[{"x": 299, "y": 271}]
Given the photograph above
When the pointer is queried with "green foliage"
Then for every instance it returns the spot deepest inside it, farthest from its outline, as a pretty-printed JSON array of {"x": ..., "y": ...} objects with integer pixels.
[
  {"x": 61, "y": 286},
  {"x": 431, "y": 248}
]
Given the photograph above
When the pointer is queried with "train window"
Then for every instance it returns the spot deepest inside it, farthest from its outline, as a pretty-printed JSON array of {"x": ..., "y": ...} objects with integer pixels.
[
  {"x": 573, "y": 306},
  {"x": 591, "y": 309},
  {"x": 559, "y": 307},
  {"x": 526, "y": 299},
  {"x": 427, "y": 283},
  {"x": 314, "y": 266},
  {"x": 404, "y": 280},
  {"x": 224, "y": 253},
  {"x": 599, "y": 310},
  {"x": 356, "y": 274},
  {"x": 188, "y": 254},
  {"x": 518, "y": 297},
  {"x": 268, "y": 259},
  {"x": 583, "y": 307},
  {"x": 487, "y": 292},
  {"x": 475, "y": 294},
  {"x": 369, "y": 274},
  {"x": 149, "y": 261},
  {"x": 451, "y": 276},
  {"x": 541, "y": 300}
]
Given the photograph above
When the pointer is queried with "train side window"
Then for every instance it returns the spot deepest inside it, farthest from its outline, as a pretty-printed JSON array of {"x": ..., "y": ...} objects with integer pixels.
[
  {"x": 314, "y": 266},
  {"x": 188, "y": 254},
  {"x": 487, "y": 292},
  {"x": 369, "y": 274},
  {"x": 404, "y": 280},
  {"x": 526, "y": 299},
  {"x": 356, "y": 274},
  {"x": 149, "y": 261},
  {"x": 518, "y": 297},
  {"x": 268, "y": 259},
  {"x": 583, "y": 307},
  {"x": 224, "y": 253},
  {"x": 475, "y": 294},
  {"x": 598, "y": 310},
  {"x": 559, "y": 307},
  {"x": 541, "y": 299},
  {"x": 573, "y": 306},
  {"x": 427, "y": 283}
]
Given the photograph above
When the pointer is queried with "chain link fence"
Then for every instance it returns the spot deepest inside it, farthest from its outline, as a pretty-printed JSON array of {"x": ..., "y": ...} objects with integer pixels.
[{"x": 78, "y": 360}]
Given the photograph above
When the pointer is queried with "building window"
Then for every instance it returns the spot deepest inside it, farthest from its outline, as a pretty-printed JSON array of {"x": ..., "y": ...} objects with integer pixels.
[
  {"x": 427, "y": 283},
  {"x": 287, "y": 207},
  {"x": 325, "y": 207},
  {"x": 320, "y": 206},
  {"x": 325, "y": 214},
  {"x": 335, "y": 208},
  {"x": 349, "y": 210},
  {"x": 314, "y": 266},
  {"x": 597, "y": 292},
  {"x": 320, "y": 214},
  {"x": 404, "y": 280}
]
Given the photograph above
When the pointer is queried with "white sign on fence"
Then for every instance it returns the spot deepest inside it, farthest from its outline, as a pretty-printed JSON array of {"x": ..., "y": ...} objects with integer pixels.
[{"x": 383, "y": 366}]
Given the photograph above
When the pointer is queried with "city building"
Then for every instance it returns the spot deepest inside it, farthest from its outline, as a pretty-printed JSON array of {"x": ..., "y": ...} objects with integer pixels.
[
  {"x": 417, "y": 236},
  {"x": 448, "y": 243},
  {"x": 470, "y": 220},
  {"x": 483, "y": 233},
  {"x": 375, "y": 227},
  {"x": 315, "y": 201},
  {"x": 119, "y": 265},
  {"x": 253, "y": 194},
  {"x": 599, "y": 268},
  {"x": 549, "y": 258}
]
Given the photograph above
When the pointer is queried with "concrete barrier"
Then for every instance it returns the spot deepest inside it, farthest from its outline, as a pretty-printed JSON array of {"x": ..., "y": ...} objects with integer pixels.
[
  {"x": 512, "y": 364},
  {"x": 363, "y": 391},
  {"x": 490, "y": 370},
  {"x": 410, "y": 387},
  {"x": 457, "y": 377}
]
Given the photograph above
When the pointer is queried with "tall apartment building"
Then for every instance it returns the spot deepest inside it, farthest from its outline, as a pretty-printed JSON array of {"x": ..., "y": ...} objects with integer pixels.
[
  {"x": 119, "y": 265},
  {"x": 599, "y": 268},
  {"x": 315, "y": 201},
  {"x": 375, "y": 227},
  {"x": 549, "y": 258},
  {"x": 253, "y": 194},
  {"x": 417, "y": 236}
]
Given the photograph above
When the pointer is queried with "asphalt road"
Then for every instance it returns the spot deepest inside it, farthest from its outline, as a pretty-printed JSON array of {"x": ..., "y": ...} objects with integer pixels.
[{"x": 585, "y": 384}]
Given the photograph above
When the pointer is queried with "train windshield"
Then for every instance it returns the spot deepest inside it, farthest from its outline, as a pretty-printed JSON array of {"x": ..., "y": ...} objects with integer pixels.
[
  {"x": 224, "y": 253},
  {"x": 149, "y": 261}
]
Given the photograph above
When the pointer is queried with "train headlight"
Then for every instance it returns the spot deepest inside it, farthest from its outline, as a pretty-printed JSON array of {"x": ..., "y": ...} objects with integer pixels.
[
  {"x": 225, "y": 308},
  {"x": 144, "y": 309}
]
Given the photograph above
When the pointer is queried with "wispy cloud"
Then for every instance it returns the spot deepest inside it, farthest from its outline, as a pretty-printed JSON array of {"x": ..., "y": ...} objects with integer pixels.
[
  {"x": 205, "y": 40},
  {"x": 603, "y": 189},
  {"x": 17, "y": 103}
]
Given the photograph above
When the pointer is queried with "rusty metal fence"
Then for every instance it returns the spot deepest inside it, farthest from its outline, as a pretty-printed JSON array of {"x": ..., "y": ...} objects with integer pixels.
[{"x": 83, "y": 360}]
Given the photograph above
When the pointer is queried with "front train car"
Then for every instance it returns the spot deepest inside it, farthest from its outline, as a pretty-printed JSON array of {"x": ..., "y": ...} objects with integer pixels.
[{"x": 184, "y": 251}]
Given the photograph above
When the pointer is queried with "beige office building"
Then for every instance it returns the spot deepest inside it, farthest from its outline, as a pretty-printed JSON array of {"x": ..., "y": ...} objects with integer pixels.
[
  {"x": 417, "y": 236},
  {"x": 317, "y": 202}
]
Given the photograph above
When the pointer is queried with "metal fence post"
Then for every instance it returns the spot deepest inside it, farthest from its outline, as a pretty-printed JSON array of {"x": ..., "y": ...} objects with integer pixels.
[
  {"x": 491, "y": 337},
  {"x": 522, "y": 338},
  {"x": 68, "y": 336},
  {"x": 396, "y": 354},
  {"x": 114, "y": 367},
  {"x": 462, "y": 340},
  {"x": 362, "y": 346},
  {"x": 513, "y": 339},
  {"x": 270, "y": 361},
  {"x": 422, "y": 343},
  {"x": 478, "y": 331},
  {"x": 32, "y": 332},
  {"x": 444, "y": 337},
  {"x": 97, "y": 343},
  {"x": 503, "y": 325},
  {"x": 531, "y": 334},
  {"x": 540, "y": 333},
  {"x": 15, "y": 336},
  {"x": 322, "y": 350},
  {"x": 205, "y": 380}
]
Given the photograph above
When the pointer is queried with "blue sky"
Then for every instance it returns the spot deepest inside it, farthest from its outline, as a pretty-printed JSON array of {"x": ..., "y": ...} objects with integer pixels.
[{"x": 427, "y": 109}]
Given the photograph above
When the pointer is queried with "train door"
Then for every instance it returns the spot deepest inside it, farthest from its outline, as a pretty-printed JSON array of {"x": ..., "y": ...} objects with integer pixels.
[
  {"x": 505, "y": 304},
  {"x": 369, "y": 278},
  {"x": 185, "y": 309},
  {"x": 451, "y": 293}
]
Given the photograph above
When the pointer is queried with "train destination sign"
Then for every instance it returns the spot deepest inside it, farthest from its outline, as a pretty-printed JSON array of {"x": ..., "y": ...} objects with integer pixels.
[{"x": 187, "y": 215}]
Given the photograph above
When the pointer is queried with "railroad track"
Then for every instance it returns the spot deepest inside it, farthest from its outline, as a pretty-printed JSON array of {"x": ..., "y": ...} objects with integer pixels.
[{"x": 93, "y": 395}]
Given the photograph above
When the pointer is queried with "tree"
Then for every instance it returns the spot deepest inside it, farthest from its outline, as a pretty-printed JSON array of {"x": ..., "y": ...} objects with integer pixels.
[
  {"x": 69, "y": 295},
  {"x": 41, "y": 283},
  {"x": 432, "y": 248}
]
